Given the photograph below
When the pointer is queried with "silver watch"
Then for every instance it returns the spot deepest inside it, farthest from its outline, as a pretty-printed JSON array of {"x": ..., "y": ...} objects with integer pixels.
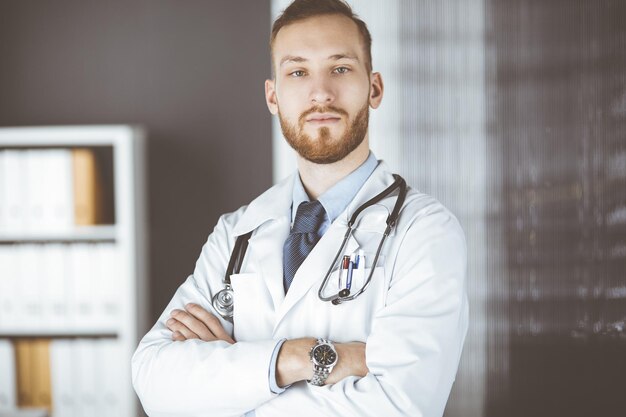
[{"x": 324, "y": 357}]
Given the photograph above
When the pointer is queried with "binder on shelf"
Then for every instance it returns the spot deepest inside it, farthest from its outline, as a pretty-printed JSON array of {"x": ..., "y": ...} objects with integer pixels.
[
  {"x": 85, "y": 362},
  {"x": 32, "y": 362},
  {"x": 8, "y": 399},
  {"x": 15, "y": 182},
  {"x": 24, "y": 371},
  {"x": 55, "y": 287},
  {"x": 58, "y": 214},
  {"x": 29, "y": 314},
  {"x": 64, "y": 379},
  {"x": 8, "y": 286},
  {"x": 35, "y": 190},
  {"x": 107, "y": 282},
  {"x": 88, "y": 188},
  {"x": 42, "y": 388},
  {"x": 3, "y": 198},
  {"x": 82, "y": 275},
  {"x": 112, "y": 390}
]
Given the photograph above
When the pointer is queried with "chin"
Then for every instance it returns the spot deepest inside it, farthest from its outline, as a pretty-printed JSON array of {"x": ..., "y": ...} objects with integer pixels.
[{"x": 330, "y": 137}]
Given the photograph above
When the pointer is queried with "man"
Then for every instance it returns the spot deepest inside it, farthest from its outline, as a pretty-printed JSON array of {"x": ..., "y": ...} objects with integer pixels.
[{"x": 394, "y": 350}]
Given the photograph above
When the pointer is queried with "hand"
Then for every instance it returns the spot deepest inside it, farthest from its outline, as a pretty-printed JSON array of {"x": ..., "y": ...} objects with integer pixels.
[
  {"x": 196, "y": 323},
  {"x": 351, "y": 362},
  {"x": 294, "y": 364}
]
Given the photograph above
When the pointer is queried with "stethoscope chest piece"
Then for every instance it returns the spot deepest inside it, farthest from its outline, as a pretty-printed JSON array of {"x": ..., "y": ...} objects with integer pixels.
[{"x": 224, "y": 301}]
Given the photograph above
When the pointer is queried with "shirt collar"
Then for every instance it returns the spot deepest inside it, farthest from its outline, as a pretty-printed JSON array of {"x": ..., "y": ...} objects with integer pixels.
[{"x": 336, "y": 199}]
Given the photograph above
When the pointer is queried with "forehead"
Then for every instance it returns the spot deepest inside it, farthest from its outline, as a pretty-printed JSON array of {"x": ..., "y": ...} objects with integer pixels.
[{"x": 318, "y": 37}]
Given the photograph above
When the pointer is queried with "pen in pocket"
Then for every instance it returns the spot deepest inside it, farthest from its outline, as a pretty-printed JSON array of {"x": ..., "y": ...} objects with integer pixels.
[
  {"x": 344, "y": 267},
  {"x": 351, "y": 263}
]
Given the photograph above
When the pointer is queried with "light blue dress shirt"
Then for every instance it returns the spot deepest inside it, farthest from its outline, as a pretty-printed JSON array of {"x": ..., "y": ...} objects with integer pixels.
[{"x": 335, "y": 200}]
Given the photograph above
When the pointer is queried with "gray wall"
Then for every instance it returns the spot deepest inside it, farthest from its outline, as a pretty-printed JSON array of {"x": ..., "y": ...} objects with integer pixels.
[{"x": 191, "y": 72}]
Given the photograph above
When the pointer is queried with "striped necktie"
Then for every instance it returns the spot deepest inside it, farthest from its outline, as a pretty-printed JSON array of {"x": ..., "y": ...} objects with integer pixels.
[{"x": 303, "y": 237}]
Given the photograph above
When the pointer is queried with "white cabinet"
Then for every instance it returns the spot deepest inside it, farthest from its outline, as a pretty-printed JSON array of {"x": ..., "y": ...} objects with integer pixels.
[{"x": 78, "y": 287}]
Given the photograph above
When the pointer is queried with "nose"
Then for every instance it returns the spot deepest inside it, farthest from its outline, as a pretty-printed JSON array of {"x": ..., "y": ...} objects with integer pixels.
[{"x": 322, "y": 92}]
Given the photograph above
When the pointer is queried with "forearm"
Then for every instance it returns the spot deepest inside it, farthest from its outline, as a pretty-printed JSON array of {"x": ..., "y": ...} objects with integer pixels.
[
  {"x": 350, "y": 397},
  {"x": 194, "y": 377},
  {"x": 293, "y": 362},
  {"x": 294, "y": 365}
]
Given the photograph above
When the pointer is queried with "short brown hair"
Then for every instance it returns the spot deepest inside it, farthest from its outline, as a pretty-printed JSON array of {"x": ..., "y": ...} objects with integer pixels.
[{"x": 303, "y": 9}]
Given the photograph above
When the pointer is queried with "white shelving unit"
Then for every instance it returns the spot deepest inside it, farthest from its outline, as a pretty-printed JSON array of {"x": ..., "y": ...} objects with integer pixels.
[{"x": 127, "y": 239}]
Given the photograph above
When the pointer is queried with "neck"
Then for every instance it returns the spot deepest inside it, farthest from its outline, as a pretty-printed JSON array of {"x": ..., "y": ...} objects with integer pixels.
[{"x": 317, "y": 178}]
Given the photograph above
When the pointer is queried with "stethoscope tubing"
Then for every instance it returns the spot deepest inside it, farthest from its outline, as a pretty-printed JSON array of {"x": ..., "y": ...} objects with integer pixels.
[
  {"x": 391, "y": 222},
  {"x": 223, "y": 301}
]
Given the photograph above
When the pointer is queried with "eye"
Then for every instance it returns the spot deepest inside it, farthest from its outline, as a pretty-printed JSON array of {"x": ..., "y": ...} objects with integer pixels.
[
  {"x": 297, "y": 73},
  {"x": 341, "y": 70}
]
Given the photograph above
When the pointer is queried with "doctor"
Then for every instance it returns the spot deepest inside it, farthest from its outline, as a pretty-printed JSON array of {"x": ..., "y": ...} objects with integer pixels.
[{"x": 394, "y": 350}]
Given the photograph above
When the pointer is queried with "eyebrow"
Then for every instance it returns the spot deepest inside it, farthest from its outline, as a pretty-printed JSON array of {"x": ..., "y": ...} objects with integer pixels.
[{"x": 298, "y": 59}]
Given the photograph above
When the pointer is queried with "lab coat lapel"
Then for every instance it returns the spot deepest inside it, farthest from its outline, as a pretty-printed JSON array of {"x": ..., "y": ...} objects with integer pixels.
[
  {"x": 269, "y": 216},
  {"x": 271, "y": 205},
  {"x": 269, "y": 213},
  {"x": 315, "y": 266},
  {"x": 266, "y": 248}
]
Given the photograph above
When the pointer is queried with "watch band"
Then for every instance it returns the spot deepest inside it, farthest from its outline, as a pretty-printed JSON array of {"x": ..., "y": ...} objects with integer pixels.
[{"x": 319, "y": 375}]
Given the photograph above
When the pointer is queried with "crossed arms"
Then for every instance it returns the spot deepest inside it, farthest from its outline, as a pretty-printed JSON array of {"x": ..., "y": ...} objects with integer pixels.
[
  {"x": 293, "y": 362},
  {"x": 191, "y": 366}
]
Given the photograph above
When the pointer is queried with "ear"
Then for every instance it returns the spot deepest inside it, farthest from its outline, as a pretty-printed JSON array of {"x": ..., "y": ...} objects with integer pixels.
[
  {"x": 376, "y": 90},
  {"x": 270, "y": 96}
]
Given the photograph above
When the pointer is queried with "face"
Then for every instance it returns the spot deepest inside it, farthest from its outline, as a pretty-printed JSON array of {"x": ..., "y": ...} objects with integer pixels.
[{"x": 322, "y": 90}]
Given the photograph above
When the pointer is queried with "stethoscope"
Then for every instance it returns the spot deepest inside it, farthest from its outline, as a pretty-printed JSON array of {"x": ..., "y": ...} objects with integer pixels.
[{"x": 223, "y": 301}]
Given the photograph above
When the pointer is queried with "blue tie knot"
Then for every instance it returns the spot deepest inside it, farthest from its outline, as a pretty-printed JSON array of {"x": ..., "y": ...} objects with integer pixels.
[{"x": 309, "y": 217}]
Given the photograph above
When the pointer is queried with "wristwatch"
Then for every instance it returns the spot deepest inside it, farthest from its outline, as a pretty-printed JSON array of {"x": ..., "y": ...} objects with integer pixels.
[{"x": 324, "y": 357}]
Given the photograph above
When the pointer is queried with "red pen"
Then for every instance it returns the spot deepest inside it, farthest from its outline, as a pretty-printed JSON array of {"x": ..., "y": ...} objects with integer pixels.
[{"x": 345, "y": 263}]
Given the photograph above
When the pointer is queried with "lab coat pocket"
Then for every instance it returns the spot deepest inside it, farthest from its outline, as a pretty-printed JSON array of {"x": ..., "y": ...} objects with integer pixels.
[
  {"x": 253, "y": 316},
  {"x": 352, "y": 320},
  {"x": 339, "y": 276}
]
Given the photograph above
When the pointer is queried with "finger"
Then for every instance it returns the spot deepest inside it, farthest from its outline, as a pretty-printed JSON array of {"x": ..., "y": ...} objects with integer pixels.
[
  {"x": 178, "y": 336},
  {"x": 210, "y": 321},
  {"x": 193, "y": 324},
  {"x": 176, "y": 326}
]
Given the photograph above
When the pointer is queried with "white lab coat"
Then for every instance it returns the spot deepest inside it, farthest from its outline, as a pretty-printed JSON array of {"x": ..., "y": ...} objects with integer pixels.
[{"x": 413, "y": 317}]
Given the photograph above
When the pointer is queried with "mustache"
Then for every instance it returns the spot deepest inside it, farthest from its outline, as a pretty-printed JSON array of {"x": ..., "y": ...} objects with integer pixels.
[{"x": 322, "y": 109}]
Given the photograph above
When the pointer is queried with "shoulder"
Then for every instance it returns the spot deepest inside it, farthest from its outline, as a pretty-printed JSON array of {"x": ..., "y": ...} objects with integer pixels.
[
  {"x": 424, "y": 209},
  {"x": 424, "y": 213},
  {"x": 420, "y": 213},
  {"x": 419, "y": 210},
  {"x": 429, "y": 230},
  {"x": 271, "y": 204}
]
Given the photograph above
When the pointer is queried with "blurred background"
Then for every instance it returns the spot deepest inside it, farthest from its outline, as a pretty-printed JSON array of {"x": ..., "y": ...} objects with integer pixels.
[{"x": 510, "y": 112}]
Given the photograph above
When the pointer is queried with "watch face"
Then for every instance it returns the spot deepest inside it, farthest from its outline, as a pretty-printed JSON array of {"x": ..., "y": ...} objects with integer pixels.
[{"x": 324, "y": 355}]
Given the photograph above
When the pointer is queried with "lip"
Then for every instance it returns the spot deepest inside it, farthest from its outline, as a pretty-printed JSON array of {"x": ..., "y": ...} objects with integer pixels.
[{"x": 321, "y": 118}]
